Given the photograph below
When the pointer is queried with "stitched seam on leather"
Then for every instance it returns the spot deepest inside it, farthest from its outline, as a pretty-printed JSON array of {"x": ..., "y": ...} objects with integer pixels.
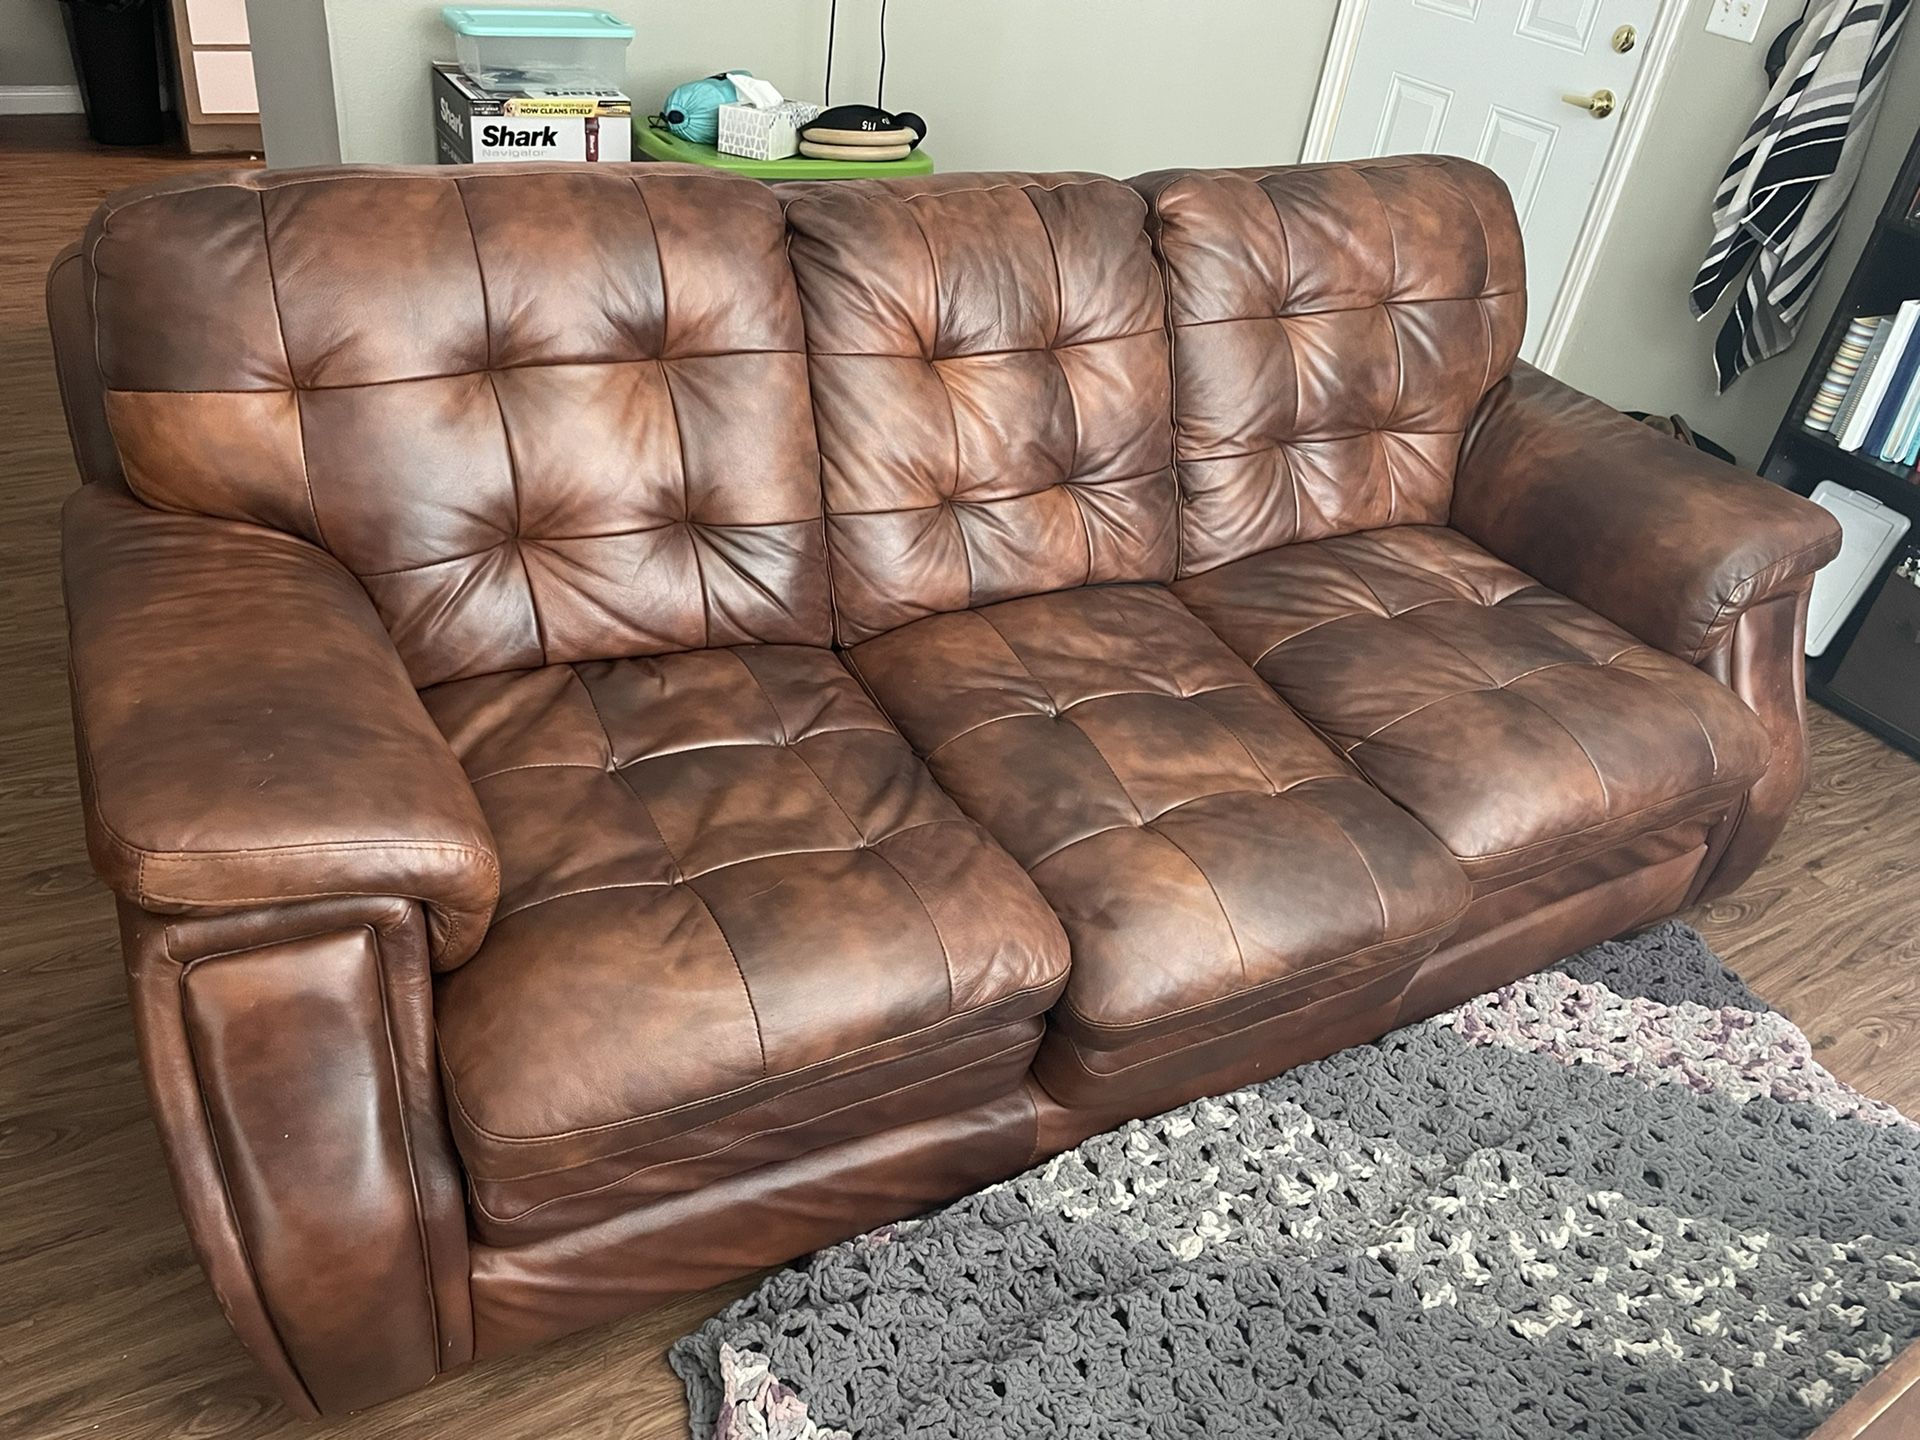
[
  {"x": 1305, "y": 442},
  {"x": 1606, "y": 797},
  {"x": 1053, "y": 704},
  {"x": 1427, "y": 705},
  {"x": 680, "y": 448},
  {"x": 1739, "y": 596},
  {"x": 554, "y": 540},
  {"x": 953, "y": 415},
  {"x": 1261, "y": 658},
  {"x": 1007, "y": 1001},
  {"x": 537, "y": 765},
  {"x": 653, "y": 755},
  {"x": 1233, "y": 931},
  {"x": 681, "y": 879},
  {"x": 1342, "y": 309},
  {"x": 1066, "y": 381},
  {"x": 1273, "y": 786},
  {"x": 817, "y": 1082},
  {"x": 1680, "y": 804},
  {"x": 946, "y": 955},
  {"x": 980, "y": 354},
  {"x": 286, "y": 353},
  {"x": 944, "y": 1077},
  {"x": 1379, "y": 891},
  {"x": 1713, "y": 751},
  {"x": 780, "y": 725},
  {"x": 506, "y": 431},
  {"x": 1255, "y": 993},
  {"x": 956, "y": 502},
  {"x": 451, "y": 375},
  {"x": 1606, "y": 794},
  {"x": 1449, "y": 179},
  {"x": 239, "y": 1233},
  {"x": 406, "y": 1143},
  {"x": 687, "y": 877}
]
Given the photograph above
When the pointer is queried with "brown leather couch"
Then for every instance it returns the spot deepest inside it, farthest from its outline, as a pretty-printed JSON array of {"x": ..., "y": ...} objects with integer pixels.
[{"x": 642, "y": 724}]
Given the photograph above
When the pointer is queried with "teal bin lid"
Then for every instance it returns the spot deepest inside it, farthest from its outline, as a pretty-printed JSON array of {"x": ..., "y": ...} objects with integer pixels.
[{"x": 495, "y": 21}]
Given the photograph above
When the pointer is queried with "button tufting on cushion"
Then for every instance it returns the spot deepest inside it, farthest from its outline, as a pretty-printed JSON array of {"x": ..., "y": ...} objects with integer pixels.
[
  {"x": 1334, "y": 327},
  {"x": 496, "y": 425},
  {"x": 1522, "y": 729},
  {"x": 1211, "y": 858},
  {"x": 737, "y": 921},
  {"x": 989, "y": 365}
]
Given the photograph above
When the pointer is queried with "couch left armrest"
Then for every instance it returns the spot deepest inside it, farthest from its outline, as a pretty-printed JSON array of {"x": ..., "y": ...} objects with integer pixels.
[{"x": 1670, "y": 544}]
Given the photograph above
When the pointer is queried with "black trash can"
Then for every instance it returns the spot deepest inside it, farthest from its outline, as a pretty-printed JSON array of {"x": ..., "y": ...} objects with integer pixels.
[{"x": 116, "y": 57}]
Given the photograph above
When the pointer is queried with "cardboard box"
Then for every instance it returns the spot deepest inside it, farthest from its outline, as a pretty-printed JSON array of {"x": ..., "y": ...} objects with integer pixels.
[
  {"x": 757, "y": 134},
  {"x": 473, "y": 124}
]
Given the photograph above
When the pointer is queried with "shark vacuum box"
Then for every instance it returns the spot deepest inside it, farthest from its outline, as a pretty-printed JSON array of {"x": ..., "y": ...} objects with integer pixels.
[{"x": 473, "y": 124}]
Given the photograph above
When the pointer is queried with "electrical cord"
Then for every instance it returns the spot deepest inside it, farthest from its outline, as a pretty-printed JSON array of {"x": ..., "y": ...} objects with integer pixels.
[
  {"x": 833, "y": 19},
  {"x": 880, "y": 90}
]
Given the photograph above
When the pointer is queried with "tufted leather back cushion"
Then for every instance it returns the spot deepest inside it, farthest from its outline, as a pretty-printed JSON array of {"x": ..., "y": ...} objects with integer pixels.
[
  {"x": 544, "y": 414},
  {"x": 990, "y": 382},
  {"x": 1334, "y": 327}
]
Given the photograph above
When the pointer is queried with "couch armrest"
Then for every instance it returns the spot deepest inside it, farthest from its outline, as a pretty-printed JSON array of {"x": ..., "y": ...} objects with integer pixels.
[
  {"x": 289, "y": 1056},
  {"x": 247, "y": 734},
  {"x": 1666, "y": 542}
]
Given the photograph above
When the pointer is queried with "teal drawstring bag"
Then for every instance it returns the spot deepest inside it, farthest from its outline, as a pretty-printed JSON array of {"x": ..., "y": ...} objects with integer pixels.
[{"x": 692, "y": 111}]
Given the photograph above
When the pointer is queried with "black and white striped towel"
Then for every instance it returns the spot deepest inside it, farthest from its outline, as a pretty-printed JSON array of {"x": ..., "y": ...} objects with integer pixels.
[{"x": 1785, "y": 190}]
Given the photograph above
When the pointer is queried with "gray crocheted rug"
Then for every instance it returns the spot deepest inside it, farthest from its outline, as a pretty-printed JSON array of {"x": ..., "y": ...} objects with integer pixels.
[{"x": 1619, "y": 1198}]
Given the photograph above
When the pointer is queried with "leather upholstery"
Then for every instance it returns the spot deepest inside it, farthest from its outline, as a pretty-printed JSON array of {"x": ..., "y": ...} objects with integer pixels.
[
  {"x": 290, "y": 1057},
  {"x": 702, "y": 1237},
  {"x": 737, "y": 921},
  {"x": 477, "y": 535},
  {"x": 989, "y": 369},
  {"x": 1334, "y": 327},
  {"x": 227, "y": 765},
  {"x": 1667, "y": 542},
  {"x": 82, "y": 396},
  {"x": 1211, "y": 859},
  {"x": 1517, "y": 726},
  {"x": 492, "y": 420}
]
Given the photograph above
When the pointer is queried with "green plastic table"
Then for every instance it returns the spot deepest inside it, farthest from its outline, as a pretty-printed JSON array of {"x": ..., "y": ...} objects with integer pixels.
[{"x": 652, "y": 144}]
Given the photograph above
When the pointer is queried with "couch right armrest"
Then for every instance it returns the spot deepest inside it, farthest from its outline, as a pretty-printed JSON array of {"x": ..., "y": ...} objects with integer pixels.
[
  {"x": 1667, "y": 542},
  {"x": 247, "y": 734}
]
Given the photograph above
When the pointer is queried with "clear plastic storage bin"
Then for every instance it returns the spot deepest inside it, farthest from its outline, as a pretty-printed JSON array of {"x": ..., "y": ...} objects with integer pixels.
[{"x": 534, "y": 51}]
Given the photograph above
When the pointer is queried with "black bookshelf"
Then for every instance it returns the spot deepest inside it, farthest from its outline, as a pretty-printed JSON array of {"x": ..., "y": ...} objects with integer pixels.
[{"x": 1887, "y": 273}]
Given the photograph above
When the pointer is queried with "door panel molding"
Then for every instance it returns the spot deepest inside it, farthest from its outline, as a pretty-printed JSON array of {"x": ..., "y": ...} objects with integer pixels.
[
  {"x": 1420, "y": 102},
  {"x": 1661, "y": 42}
]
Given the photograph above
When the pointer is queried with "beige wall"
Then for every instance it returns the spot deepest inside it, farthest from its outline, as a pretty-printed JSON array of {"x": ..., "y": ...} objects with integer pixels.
[
  {"x": 1634, "y": 342},
  {"x": 1130, "y": 85},
  {"x": 33, "y": 44},
  {"x": 1015, "y": 84}
]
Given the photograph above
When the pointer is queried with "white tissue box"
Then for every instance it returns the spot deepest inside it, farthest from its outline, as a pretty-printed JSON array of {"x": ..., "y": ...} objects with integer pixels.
[{"x": 755, "y": 134}]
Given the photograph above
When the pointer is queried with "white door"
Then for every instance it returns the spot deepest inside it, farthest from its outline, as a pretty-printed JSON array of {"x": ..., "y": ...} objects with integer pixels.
[{"x": 1488, "y": 79}]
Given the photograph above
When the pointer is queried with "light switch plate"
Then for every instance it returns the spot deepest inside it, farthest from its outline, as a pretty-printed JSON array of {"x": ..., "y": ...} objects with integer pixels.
[{"x": 1736, "y": 19}]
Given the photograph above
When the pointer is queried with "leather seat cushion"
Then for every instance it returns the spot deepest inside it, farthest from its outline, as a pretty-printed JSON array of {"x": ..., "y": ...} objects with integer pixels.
[
  {"x": 1209, "y": 856},
  {"x": 1522, "y": 729},
  {"x": 737, "y": 921}
]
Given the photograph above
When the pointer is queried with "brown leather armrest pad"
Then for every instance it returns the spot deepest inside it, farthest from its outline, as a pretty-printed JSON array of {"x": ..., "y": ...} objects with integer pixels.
[
  {"x": 247, "y": 734},
  {"x": 1663, "y": 540}
]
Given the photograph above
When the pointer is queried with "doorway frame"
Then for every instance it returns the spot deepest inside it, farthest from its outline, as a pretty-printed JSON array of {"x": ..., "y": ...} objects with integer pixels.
[{"x": 1336, "y": 70}]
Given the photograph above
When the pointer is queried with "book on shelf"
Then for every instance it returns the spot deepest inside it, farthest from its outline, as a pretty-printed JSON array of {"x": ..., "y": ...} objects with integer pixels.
[
  {"x": 1901, "y": 368},
  {"x": 1856, "y": 388},
  {"x": 1876, "y": 375},
  {"x": 1839, "y": 376}
]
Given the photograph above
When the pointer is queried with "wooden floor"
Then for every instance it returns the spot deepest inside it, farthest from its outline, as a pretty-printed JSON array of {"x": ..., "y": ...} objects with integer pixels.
[{"x": 106, "y": 1327}]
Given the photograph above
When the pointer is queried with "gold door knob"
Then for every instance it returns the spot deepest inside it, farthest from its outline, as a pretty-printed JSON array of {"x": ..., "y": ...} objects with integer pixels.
[{"x": 1599, "y": 104}]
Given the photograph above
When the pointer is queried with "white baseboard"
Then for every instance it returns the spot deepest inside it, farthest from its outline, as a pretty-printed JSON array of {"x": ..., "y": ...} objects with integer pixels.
[{"x": 39, "y": 99}]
